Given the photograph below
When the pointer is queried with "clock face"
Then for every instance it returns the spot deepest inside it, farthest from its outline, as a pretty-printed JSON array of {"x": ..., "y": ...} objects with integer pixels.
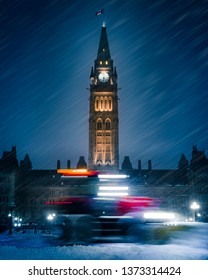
[{"x": 103, "y": 77}]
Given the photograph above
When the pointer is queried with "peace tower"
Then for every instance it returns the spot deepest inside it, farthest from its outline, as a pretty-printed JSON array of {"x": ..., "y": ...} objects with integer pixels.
[{"x": 103, "y": 111}]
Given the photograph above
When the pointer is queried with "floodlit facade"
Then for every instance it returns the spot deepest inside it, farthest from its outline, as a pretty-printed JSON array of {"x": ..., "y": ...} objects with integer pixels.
[{"x": 103, "y": 110}]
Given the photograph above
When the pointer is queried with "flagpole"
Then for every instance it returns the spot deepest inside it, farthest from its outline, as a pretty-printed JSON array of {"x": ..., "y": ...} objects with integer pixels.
[{"x": 103, "y": 19}]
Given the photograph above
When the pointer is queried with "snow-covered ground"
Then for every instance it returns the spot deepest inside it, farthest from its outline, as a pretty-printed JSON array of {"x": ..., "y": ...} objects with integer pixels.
[{"x": 191, "y": 245}]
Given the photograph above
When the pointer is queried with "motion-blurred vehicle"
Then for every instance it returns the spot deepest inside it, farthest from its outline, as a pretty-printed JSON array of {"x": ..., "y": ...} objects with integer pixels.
[{"x": 110, "y": 215}]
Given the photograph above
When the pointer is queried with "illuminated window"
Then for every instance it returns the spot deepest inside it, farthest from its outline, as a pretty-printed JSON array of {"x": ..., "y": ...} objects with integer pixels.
[
  {"x": 106, "y": 63},
  {"x": 108, "y": 140},
  {"x": 110, "y": 104},
  {"x": 101, "y": 62},
  {"x": 107, "y": 149},
  {"x": 99, "y": 140},
  {"x": 101, "y": 104},
  {"x": 103, "y": 50},
  {"x": 97, "y": 104},
  {"x": 105, "y": 105}
]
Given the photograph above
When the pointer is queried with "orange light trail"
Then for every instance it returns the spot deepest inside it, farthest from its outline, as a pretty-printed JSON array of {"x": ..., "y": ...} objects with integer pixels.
[{"x": 77, "y": 172}]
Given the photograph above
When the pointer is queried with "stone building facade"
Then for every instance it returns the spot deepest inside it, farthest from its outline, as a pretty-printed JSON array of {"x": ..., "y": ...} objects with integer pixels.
[{"x": 30, "y": 194}]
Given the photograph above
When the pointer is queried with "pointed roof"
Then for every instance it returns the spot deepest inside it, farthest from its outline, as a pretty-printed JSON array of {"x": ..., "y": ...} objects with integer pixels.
[
  {"x": 183, "y": 157},
  {"x": 27, "y": 158},
  {"x": 103, "y": 50}
]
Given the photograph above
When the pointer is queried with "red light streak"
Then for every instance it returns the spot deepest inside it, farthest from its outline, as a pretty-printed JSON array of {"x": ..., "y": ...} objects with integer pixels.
[{"x": 77, "y": 172}]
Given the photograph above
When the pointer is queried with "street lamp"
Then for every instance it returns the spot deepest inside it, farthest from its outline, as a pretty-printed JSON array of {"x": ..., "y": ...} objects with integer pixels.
[
  {"x": 50, "y": 219},
  {"x": 17, "y": 222},
  {"x": 195, "y": 206},
  {"x": 10, "y": 216}
]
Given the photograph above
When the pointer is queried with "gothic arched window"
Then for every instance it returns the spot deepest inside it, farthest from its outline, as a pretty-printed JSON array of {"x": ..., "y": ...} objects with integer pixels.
[
  {"x": 99, "y": 124},
  {"x": 105, "y": 106},
  {"x": 101, "y": 104},
  {"x": 97, "y": 104},
  {"x": 107, "y": 124},
  {"x": 110, "y": 104}
]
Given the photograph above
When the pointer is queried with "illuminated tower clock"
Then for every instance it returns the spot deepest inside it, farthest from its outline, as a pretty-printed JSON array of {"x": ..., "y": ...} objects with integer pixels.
[{"x": 103, "y": 111}]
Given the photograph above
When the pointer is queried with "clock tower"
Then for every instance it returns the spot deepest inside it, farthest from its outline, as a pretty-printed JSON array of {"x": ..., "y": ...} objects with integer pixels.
[{"x": 103, "y": 111}]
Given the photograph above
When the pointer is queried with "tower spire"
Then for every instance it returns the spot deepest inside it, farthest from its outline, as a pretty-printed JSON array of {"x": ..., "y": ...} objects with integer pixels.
[{"x": 103, "y": 49}]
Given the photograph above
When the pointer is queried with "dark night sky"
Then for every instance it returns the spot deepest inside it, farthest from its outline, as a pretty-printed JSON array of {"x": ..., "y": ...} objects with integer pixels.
[{"x": 160, "y": 49}]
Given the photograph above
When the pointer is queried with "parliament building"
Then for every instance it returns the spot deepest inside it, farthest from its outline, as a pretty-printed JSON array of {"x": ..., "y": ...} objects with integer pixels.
[{"x": 24, "y": 191}]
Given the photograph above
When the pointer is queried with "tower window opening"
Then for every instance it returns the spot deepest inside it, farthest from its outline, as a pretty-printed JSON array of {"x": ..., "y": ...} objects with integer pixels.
[
  {"x": 108, "y": 140},
  {"x": 97, "y": 104},
  {"x": 110, "y": 104},
  {"x": 108, "y": 157},
  {"x": 99, "y": 140},
  {"x": 106, "y": 63},
  {"x": 101, "y": 62},
  {"x": 107, "y": 125},
  {"x": 106, "y": 105},
  {"x": 99, "y": 157},
  {"x": 101, "y": 105},
  {"x": 99, "y": 125},
  {"x": 103, "y": 49}
]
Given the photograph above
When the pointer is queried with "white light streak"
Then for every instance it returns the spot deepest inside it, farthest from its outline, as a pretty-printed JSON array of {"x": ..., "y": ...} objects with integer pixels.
[
  {"x": 116, "y": 217},
  {"x": 112, "y": 194},
  {"x": 159, "y": 215},
  {"x": 113, "y": 188},
  {"x": 112, "y": 176}
]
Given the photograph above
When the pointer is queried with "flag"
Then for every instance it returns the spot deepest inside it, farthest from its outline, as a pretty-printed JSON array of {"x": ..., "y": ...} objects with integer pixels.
[{"x": 98, "y": 13}]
